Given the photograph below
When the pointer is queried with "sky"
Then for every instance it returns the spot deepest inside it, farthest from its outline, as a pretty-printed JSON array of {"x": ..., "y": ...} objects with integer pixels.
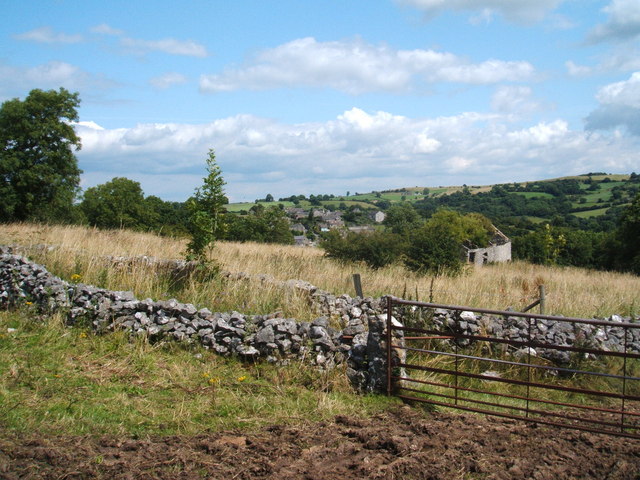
[{"x": 334, "y": 96}]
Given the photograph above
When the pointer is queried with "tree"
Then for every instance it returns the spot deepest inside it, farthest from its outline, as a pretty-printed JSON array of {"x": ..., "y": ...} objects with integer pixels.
[
  {"x": 265, "y": 225},
  {"x": 207, "y": 213},
  {"x": 543, "y": 246},
  {"x": 39, "y": 174},
  {"x": 628, "y": 234},
  {"x": 118, "y": 203},
  {"x": 436, "y": 247},
  {"x": 402, "y": 219},
  {"x": 376, "y": 249}
]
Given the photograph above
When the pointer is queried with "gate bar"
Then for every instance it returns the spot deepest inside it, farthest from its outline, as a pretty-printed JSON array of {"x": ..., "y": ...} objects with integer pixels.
[
  {"x": 519, "y": 364},
  {"x": 524, "y": 409},
  {"x": 517, "y": 417},
  {"x": 509, "y": 313},
  {"x": 532, "y": 343},
  {"x": 516, "y": 397},
  {"x": 521, "y": 382}
]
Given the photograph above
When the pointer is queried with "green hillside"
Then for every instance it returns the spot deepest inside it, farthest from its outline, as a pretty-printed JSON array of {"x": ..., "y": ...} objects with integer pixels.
[{"x": 584, "y": 201}]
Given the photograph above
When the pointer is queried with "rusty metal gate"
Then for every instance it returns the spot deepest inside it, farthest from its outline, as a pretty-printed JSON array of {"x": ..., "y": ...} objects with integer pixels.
[{"x": 579, "y": 383}]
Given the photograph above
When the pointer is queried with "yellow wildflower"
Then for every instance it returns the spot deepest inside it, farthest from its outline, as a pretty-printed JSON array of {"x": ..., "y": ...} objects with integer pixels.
[
  {"x": 242, "y": 378},
  {"x": 76, "y": 277}
]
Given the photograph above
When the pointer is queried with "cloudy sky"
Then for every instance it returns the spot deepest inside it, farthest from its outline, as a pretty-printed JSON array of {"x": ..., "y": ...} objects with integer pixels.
[{"x": 330, "y": 96}]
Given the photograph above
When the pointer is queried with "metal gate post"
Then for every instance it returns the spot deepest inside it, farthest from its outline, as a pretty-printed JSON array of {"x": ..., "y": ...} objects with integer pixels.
[{"x": 389, "y": 337}]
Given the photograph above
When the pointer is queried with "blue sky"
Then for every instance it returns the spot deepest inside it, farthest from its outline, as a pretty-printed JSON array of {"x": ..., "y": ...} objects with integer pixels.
[{"x": 330, "y": 96}]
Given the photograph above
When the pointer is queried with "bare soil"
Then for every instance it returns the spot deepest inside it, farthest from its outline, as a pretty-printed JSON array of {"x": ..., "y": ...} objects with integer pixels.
[{"x": 402, "y": 444}]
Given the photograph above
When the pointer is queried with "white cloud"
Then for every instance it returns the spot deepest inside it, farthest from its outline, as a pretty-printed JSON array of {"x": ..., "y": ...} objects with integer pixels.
[
  {"x": 624, "y": 57},
  {"x": 105, "y": 29},
  {"x": 576, "y": 70},
  {"x": 168, "y": 80},
  {"x": 520, "y": 11},
  {"x": 48, "y": 35},
  {"x": 623, "y": 22},
  {"x": 166, "y": 45},
  {"x": 357, "y": 67},
  {"x": 619, "y": 106},
  {"x": 542, "y": 134},
  {"x": 17, "y": 80},
  {"x": 513, "y": 99},
  {"x": 626, "y": 92},
  {"x": 458, "y": 164},
  {"x": 357, "y": 150},
  {"x": 138, "y": 46}
]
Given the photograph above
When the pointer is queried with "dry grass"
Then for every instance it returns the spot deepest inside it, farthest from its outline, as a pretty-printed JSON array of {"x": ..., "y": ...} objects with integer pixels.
[{"x": 570, "y": 291}]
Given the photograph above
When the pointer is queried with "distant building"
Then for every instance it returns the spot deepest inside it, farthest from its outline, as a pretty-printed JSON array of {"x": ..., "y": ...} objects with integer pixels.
[
  {"x": 333, "y": 219},
  {"x": 302, "y": 241},
  {"x": 498, "y": 250},
  {"x": 378, "y": 217},
  {"x": 296, "y": 213},
  {"x": 298, "y": 227}
]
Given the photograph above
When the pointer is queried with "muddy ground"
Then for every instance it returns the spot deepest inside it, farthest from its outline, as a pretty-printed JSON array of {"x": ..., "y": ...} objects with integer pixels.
[{"x": 403, "y": 444}]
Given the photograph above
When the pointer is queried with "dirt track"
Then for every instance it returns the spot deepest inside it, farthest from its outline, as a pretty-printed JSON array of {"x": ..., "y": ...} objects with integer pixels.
[{"x": 405, "y": 444}]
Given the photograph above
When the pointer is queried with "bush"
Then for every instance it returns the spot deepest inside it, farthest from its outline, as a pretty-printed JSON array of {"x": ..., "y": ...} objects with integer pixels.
[
  {"x": 435, "y": 249},
  {"x": 376, "y": 249}
]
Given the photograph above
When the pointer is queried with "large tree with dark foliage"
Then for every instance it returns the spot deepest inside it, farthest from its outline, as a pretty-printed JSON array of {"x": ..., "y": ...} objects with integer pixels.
[
  {"x": 118, "y": 203},
  {"x": 628, "y": 236},
  {"x": 39, "y": 174}
]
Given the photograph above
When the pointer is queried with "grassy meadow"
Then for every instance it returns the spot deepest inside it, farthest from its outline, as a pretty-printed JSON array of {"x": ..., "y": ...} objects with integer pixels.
[
  {"x": 60, "y": 380},
  {"x": 81, "y": 252},
  {"x": 55, "y": 379}
]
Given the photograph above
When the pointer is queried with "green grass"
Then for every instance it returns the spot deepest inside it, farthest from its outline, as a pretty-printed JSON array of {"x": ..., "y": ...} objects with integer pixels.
[
  {"x": 56, "y": 379},
  {"x": 238, "y": 207},
  {"x": 591, "y": 213},
  {"x": 535, "y": 194}
]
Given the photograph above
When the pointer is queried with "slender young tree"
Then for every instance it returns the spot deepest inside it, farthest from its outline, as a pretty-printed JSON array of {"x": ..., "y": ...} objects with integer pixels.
[{"x": 207, "y": 213}]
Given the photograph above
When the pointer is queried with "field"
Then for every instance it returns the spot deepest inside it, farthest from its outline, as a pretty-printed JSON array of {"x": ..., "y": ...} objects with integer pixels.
[
  {"x": 80, "y": 251},
  {"x": 76, "y": 405}
]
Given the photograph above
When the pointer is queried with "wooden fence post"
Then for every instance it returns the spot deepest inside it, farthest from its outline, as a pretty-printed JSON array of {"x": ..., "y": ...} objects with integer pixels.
[{"x": 358, "y": 285}]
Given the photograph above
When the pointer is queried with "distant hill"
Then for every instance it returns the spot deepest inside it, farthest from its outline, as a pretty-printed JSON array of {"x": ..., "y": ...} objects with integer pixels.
[{"x": 590, "y": 201}]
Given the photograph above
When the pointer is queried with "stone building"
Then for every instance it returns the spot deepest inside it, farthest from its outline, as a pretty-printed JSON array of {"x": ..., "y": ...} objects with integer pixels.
[{"x": 498, "y": 250}]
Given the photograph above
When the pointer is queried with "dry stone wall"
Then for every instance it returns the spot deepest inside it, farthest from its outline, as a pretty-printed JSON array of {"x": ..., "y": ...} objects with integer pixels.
[
  {"x": 360, "y": 342},
  {"x": 268, "y": 337}
]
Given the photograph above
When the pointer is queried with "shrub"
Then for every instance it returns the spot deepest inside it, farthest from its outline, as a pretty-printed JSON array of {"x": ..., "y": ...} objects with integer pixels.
[{"x": 376, "y": 249}]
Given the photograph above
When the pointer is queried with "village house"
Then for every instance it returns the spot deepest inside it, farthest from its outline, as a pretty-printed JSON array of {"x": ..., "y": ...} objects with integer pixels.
[
  {"x": 298, "y": 227},
  {"x": 302, "y": 241},
  {"x": 296, "y": 213},
  {"x": 378, "y": 216}
]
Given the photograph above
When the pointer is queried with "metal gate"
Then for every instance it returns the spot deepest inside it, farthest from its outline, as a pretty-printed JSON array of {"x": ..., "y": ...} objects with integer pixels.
[{"x": 595, "y": 386}]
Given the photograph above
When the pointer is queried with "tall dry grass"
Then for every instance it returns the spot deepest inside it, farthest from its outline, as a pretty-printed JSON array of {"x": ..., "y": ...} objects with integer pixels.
[{"x": 570, "y": 291}]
